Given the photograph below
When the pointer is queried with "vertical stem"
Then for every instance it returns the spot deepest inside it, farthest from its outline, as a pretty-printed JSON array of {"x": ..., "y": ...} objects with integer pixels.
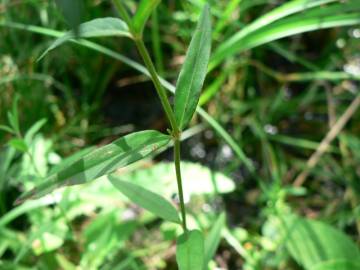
[
  {"x": 177, "y": 159},
  {"x": 159, "y": 88},
  {"x": 164, "y": 102}
]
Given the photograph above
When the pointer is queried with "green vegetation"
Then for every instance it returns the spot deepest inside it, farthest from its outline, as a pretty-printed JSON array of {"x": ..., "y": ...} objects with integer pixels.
[{"x": 185, "y": 135}]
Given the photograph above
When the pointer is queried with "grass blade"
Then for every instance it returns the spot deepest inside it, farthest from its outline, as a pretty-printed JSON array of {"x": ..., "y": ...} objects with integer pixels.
[
  {"x": 213, "y": 239},
  {"x": 148, "y": 200},
  {"x": 288, "y": 20},
  {"x": 101, "y": 161},
  {"x": 193, "y": 72}
]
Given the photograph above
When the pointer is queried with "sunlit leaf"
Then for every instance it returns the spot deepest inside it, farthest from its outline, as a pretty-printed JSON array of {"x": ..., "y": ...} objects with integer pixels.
[
  {"x": 190, "y": 251},
  {"x": 193, "y": 72},
  {"x": 144, "y": 10},
  {"x": 19, "y": 145},
  {"x": 104, "y": 160},
  {"x": 102, "y": 27},
  {"x": 197, "y": 179},
  {"x": 151, "y": 201}
]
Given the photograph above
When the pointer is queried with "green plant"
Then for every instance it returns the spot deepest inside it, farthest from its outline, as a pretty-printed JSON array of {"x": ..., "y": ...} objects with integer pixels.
[
  {"x": 260, "y": 113},
  {"x": 136, "y": 146}
]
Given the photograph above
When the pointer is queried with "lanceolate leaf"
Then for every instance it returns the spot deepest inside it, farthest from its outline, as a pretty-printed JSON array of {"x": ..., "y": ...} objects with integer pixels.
[
  {"x": 146, "y": 199},
  {"x": 143, "y": 12},
  {"x": 101, "y": 161},
  {"x": 190, "y": 251},
  {"x": 101, "y": 27},
  {"x": 213, "y": 239},
  {"x": 193, "y": 72},
  {"x": 312, "y": 242}
]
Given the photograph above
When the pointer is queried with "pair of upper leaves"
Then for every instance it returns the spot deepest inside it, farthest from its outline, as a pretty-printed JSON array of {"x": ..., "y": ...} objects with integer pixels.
[
  {"x": 194, "y": 69},
  {"x": 137, "y": 145}
]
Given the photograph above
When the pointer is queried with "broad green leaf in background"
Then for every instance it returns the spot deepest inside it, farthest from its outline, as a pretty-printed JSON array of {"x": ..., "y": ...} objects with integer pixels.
[
  {"x": 146, "y": 199},
  {"x": 197, "y": 179},
  {"x": 193, "y": 72},
  {"x": 213, "y": 239},
  {"x": 102, "y": 27},
  {"x": 72, "y": 11},
  {"x": 190, "y": 250},
  {"x": 313, "y": 242},
  {"x": 144, "y": 10},
  {"x": 101, "y": 161},
  {"x": 339, "y": 265}
]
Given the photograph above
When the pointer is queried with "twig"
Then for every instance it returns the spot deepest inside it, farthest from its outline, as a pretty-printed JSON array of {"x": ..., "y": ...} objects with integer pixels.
[{"x": 330, "y": 136}]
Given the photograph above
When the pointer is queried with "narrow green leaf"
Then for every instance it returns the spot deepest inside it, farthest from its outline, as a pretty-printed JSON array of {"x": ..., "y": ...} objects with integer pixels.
[
  {"x": 338, "y": 265},
  {"x": 33, "y": 130},
  {"x": 146, "y": 7},
  {"x": 19, "y": 145},
  {"x": 7, "y": 129},
  {"x": 146, "y": 199},
  {"x": 102, "y": 27},
  {"x": 190, "y": 251},
  {"x": 288, "y": 20},
  {"x": 193, "y": 72},
  {"x": 213, "y": 239},
  {"x": 101, "y": 161},
  {"x": 312, "y": 242}
]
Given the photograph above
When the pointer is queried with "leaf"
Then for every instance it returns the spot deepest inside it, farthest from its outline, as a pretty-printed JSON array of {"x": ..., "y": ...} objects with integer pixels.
[
  {"x": 33, "y": 130},
  {"x": 7, "y": 129},
  {"x": 102, "y": 27},
  {"x": 146, "y": 199},
  {"x": 312, "y": 242},
  {"x": 146, "y": 7},
  {"x": 101, "y": 161},
  {"x": 190, "y": 251},
  {"x": 19, "y": 145},
  {"x": 193, "y": 72},
  {"x": 72, "y": 11},
  {"x": 338, "y": 265},
  {"x": 278, "y": 24},
  {"x": 213, "y": 239},
  {"x": 197, "y": 179}
]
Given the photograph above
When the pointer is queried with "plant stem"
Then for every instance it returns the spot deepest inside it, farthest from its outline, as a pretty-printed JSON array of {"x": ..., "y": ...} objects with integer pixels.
[
  {"x": 159, "y": 88},
  {"x": 177, "y": 159},
  {"x": 137, "y": 37},
  {"x": 151, "y": 68}
]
